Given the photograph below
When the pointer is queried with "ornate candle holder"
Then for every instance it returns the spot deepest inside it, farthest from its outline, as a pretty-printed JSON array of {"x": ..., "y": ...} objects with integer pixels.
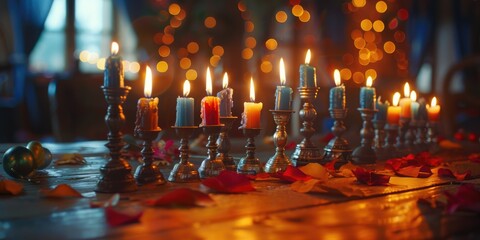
[
  {"x": 279, "y": 161},
  {"x": 184, "y": 170},
  {"x": 421, "y": 136},
  {"x": 223, "y": 142},
  {"x": 211, "y": 166},
  {"x": 250, "y": 164},
  {"x": 306, "y": 152},
  {"x": 147, "y": 172},
  {"x": 338, "y": 148},
  {"x": 401, "y": 144},
  {"x": 379, "y": 143},
  {"x": 364, "y": 154},
  {"x": 116, "y": 175},
  {"x": 410, "y": 136},
  {"x": 390, "y": 149},
  {"x": 433, "y": 136}
]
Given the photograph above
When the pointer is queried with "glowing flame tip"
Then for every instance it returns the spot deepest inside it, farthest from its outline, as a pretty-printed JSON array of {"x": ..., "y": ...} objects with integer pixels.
[
  {"x": 186, "y": 88},
  {"x": 336, "y": 77},
  {"x": 147, "y": 91},
  {"x": 396, "y": 98},
  {"x": 282, "y": 72},
  {"x": 225, "y": 80},
  {"x": 308, "y": 56},
  {"x": 252, "y": 90},
  {"x": 114, "y": 48}
]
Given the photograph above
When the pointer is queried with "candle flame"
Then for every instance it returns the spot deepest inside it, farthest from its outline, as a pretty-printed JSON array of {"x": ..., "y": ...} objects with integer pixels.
[
  {"x": 406, "y": 90},
  {"x": 379, "y": 99},
  {"x": 434, "y": 101},
  {"x": 396, "y": 99},
  {"x": 209, "y": 82},
  {"x": 252, "y": 90},
  {"x": 308, "y": 56},
  {"x": 225, "y": 80},
  {"x": 413, "y": 96},
  {"x": 369, "y": 81},
  {"x": 114, "y": 48},
  {"x": 282, "y": 72},
  {"x": 336, "y": 77},
  {"x": 186, "y": 88},
  {"x": 147, "y": 91}
]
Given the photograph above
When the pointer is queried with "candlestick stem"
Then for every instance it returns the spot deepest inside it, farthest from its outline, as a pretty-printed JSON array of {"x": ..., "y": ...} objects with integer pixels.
[
  {"x": 338, "y": 149},
  {"x": 433, "y": 137},
  {"x": 410, "y": 136},
  {"x": 211, "y": 166},
  {"x": 148, "y": 172},
  {"x": 250, "y": 164},
  {"x": 379, "y": 141},
  {"x": 184, "y": 170},
  {"x": 390, "y": 149},
  {"x": 401, "y": 145},
  {"x": 364, "y": 154},
  {"x": 279, "y": 161},
  {"x": 421, "y": 140},
  {"x": 306, "y": 152},
  {"x": 224, "y": 143}
]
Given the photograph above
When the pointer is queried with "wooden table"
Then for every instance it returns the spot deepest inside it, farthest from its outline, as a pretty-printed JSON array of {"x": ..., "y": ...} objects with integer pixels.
[{"x": 274, "y": 211}]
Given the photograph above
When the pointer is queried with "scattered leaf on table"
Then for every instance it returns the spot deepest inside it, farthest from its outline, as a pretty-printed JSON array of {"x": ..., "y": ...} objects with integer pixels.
[
  {"x": 260, "y": 176},
  {"x": 449, "y": 173},
  {"x": 291, "y": 145},
  {"x": 71, "y": 159},
  {"x": 449, "y": 145},
  {"x": 347, "y": 190},
  {"x": 293, "y": 174},
  {"x": 10, "y": 187},
  {"x": 185, "y": 197},
  {"x": 330, "y": 166},
  {"x": 467, "y": 198},
  {"x": 346, "y": 170},
  {"x": 316, "y": 171},
  {"x": 229, "y": 182},
  {"x": 421, "y": 159},
  {"x": 112, "y": 201},
  {"x": 414, "y": 171},
  {"x": 119, "y": 217},
  {"x": 304, "y": 186},
  {"x": 61, "y": 191},
  {"x": 370, "y": 178},
  {"x": 474, "y": 157}
]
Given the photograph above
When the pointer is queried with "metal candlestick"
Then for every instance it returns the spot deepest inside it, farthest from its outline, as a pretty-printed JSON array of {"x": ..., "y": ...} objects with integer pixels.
[
  {"x": 364, "y": 154},
  {"x": 421, "y": 139},
  {"x": 390, "y": 149},
  {"x": 410, "y": 136},
  {"x": 250, "y": 164},
  {"x": 279, "y": 161},
  {"x": 184, "y": 170},
  {"x": 211, "y": 166},
  {"x": 116, "y": 175},
  {"x": 223, "y": 142},
  {"x": 148, "y": 172},
  {"x": 379, "y": 140},
  {"x": 401, "y": 145},
  {"x": 433, "y": 136},
  {"x": 338, "y": 148},
  {"x": 306, "y": 152}
]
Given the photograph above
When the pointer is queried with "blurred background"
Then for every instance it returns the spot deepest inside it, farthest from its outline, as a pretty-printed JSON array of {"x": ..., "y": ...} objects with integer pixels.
[{"x": 52, "y": 55}]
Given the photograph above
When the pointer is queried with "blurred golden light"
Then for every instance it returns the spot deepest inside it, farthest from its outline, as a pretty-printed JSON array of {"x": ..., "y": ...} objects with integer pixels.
[
  {"x": 271, "y": 44},
  {"x": 167, "y": 39},
  {"x": 191, "y": 74},
  {"x": 210, "y": 22},
  {"x": 174, "y": 9},
  {"x": 164, "y": 51},
  {"x": 134, "y": 67},
  {"x": 162, "y": 66},
  {"x": 346, "y": 74},
  {"x": 218, "y": 50},
  {"x": 371, "y": 73},
  {"x": 175, "y": 23},
  {"x": 241, "y": 6},
  {"x": 266, "y": 66},
  {"x": 359, "y": 43},
  {"x": 389, "y": 47},
  {"x": 366, "y": 24},
  {"x": 363, "y": 62},
  {"x": 358, "y": 77},
  {"x": 247, "y": 53},
  {"x": 169, "y": 30},
  {"x": 371, "y": 46},
  {"x": 93, "y": 58},
  {"x": 359, "y": 3},
  {"x": 185, "y": 63},
  {"x": 250, "y": 42},
  {"x": 381, "y": 6},
  {"x": 192, "y": 47},
  {"x": 181, "y": 15},
  {"x": 101, "y": 64},
  {"x": 297, "y": 10},
  {"x": 157, "y": 38},
  {"x": 281, "y": 16},
  {"x": 249, "y": 26},
  {"x": 84, "y": 55},
  {"x": 214, "y": 60},
  {"x": 369, "y": 36},
  {"x": 378, "y": 26},
  {"x": 364, "y": 54},
  {"x": 393, "y": 24},
  {"x": 356, "y": 34},
  {"x": 305, "y": 17}
]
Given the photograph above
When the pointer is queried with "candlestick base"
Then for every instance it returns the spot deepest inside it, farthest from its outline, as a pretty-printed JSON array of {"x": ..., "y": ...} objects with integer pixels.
[
  {"x": 250, "y": 164},
  {"x": 421, "y": 140},
  {"x": 379, "y": 140},
  {"x": 402, "y": 146},
  {"x": 116, "y": 176},
  {"x": 364, "y": 154},
  {"x": 337, "y": 148},
  {"x": 279, "y": 161},
  {"x": 211, "y": 166},
  {"x": 224, "y": 143},
  {"x": 433, "y": 146},
  {"x": 148, "y": 172},
  {"x": 184, "y": 170},
  {"x": 390, "y": 149}
]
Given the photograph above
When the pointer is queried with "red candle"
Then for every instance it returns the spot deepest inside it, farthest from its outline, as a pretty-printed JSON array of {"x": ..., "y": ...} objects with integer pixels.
[
  {"x": 210, "y": 106},
  {"x": 147, "y": 107}
]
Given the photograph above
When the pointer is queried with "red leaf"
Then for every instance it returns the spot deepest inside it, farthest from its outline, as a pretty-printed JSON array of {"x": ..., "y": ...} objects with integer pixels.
[
  {"x": 117, "y": 217},
  {"x": 293, "y": 174},
  {"x": 370, "y": 177},
  {"x": 445, "y": 172},
  {"x": 291, "y": 145},
  {"x": 472, "y": 137},
  {"x": 466, "y": 198},
  {"x": 414, "y": 171},
  {"x": 329, "y": 136},
  {"x": 229, "y": 182},
  {"x": 474, "y": 157},
  {"x": 61, "y": 191},
  {"x": 259, "y": 176},
  {"x": 182, "y": 197},
  {"x": 420, "y": 160},
  {"x": 330, "y": 166},
  {"x": 10, "y": 187}
]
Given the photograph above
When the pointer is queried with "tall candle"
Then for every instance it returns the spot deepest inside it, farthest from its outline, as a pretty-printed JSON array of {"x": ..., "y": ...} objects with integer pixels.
[
  {"x": 382, "y": 108},
  {"x": 405, "y": 109},
  {"x": 283, "y": 94},
  {"x": 252, "y": 110},
  {"x": 308, "y": 76},
  {"x": 433, "y": 111},
  {"x": 414, "y": 105},
  {"x": 367, "y": 95},
  {"x": 147, "y": 107},
  {"x": 226, "y": 96},
  {"x": 185, "y": 108},
  {"x": 113, "y": 74},
  {"x": 337, "y": 94},
  {"x": 210, "y": 112},
  {"x": 393, "y": 112}
]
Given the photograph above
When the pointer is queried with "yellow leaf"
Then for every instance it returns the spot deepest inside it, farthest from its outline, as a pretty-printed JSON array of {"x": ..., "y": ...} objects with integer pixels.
[{"x": 316, "y": 171}]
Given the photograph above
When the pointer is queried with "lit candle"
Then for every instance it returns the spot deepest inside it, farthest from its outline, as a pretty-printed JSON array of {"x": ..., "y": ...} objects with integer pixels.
[
  {"x": 113, "y": 74},
  {"x": 367, "y": 95},
  {"x": 185, "y": 108},
  {"x": 405, "y": 109},
  {"x": 433, "y": 111},
  {"x": 382, "y": 108},
  {"x": 225, "y": 96},
  {"x": 147, "y": 107},
  {"x": 210, "y": 112},
  {"x": 393, "y": 112},
  {"x": 283, "y": 94},
  {"x": 414, "y": 105},
  {"x": 252, "y": 110},
  {"x": 308, "y": 76},
  {"x": 337, "y": 94}
]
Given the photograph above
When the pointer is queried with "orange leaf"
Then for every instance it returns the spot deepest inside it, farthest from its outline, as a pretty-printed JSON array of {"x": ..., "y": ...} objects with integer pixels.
[
  {"x": 10, "y": 187},
  {"x": 61, "y": 191}
]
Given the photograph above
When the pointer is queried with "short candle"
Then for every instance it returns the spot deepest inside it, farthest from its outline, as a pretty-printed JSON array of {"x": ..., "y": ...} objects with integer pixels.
[
  {"x": 226, "y": 96},
  {"x": 414, "y": 105},
  {"x": 382, "y": 108},
  {"x": 252, "y": 110},
  {"x": 405, "y": 109},
  {"x": 367, "y": 95},
  {"x": 210, "y": 112},
  {"x": 283, "y": 94},
  {"x": 337, "y": 94},
  {"x": 308, "y": 76},
  {"x": 185, "y": 108},
  {"x": 433, "y": 111},
  {"x": 393, "y": 112},
  {"x": 147, "y": 107},
  {"x": 113, "y": 74}
]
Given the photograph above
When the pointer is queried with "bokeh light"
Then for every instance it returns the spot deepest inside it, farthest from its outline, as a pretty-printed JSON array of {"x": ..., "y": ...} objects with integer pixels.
[
  {"x": 101, "y": 64},
  {"x": 174, "y": 9},
  {"x": 241, "y": 6},
  {"x": 162, "y": 66},
  {"x": 185, "y": 63},
  {"x": 250, "y": 42},
  {"x": 305, "y": 17},
  {"x": 399, "y": 36},
  {"x": 371, "y": 73},
  {"x": 191, "y": 74},
  {"x": 297, "y": 10},
  {"x": 369, "y": 36},
  {"x": 84, "y": 55},
  {"x": 164, "y": 51},
  {"x": 266, "y": 66},
  {"x": 281, "y": 16},
  {"x": 214, "y": 60},
  {"x": 359, "y": 3},
  {"x": 210, "y": 22},
  {"x": 356, "y": 34},
  {"x": 359, "y": 43},
  {"x": 402, "y": 14},
  {"x": 381, "y": 6},
  {"x": 168, "y": 39},
  {"x": 378, "y": 26},
  {"x": 134, "y": 67},
  {"x": 345, "y": 74},
  {"x": 218, "y": 50},
  {"x": 249, "y": 26},
  {"x": 389, "y": 47},
  {"x": 366, "y": 24},
  {"x": 247, "y": 53},
  {"x": 358, "y": 77},
  {"x": 271, "y": 44},
  {"x": 192, "y": 47}
]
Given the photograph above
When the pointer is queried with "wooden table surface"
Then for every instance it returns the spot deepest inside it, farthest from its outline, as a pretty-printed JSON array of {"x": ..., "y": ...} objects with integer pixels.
[{"x": 274, "y": 211}]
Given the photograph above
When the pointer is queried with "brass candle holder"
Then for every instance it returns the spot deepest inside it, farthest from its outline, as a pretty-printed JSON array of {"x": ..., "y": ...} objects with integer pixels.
[
  {"x": 211, "y": 166},
  {"x": 364, "y": 154},
  {"x": 433, "y": 137},
  {"x": 184, "y": 170},
  {"x": 390, "y": 149},
  {"x": 279, "y": 161},
  {"x": 115, "y": 176},
  {"x": 379, "y": 141},
  {"x": 401, "y": 144},
  {"x": 223, "y": 142},
  {"x": 250, "y": 164},
  {"x": 306, "y": 152},
  {"x": 147, "y": 172},
  {"x": 421, "y": 136},
  {"x": 338, "y": 148}
]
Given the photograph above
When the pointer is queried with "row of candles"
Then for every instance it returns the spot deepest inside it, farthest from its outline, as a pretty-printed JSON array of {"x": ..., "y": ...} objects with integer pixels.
[{"x": 212, "y": 107}]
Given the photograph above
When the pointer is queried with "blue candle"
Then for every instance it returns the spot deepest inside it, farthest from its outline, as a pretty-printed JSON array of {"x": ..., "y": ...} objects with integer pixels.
[
  {"x": 367, "y": 95},
  {"x": 283, "y": 94},
  {"x": 337, "y": 94},
  {"x": 381, "y": 115},
  {"x": 113, "y": 74},
  {"x": 225, "y": 95},
  {"x": 185, "y": 108},
  {"x": 308, "y": 76},
  {"x": 414, "y": 105}
]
